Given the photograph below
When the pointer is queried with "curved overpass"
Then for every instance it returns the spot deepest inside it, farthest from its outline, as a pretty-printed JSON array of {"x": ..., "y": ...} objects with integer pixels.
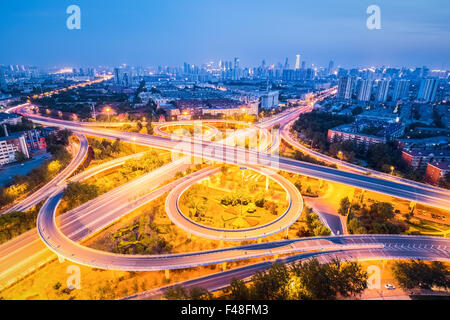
[
  {"x": 25, "y": 253},
  {"x": 290, "y": 216},
  {"x": 158, "y": 129},
  {"x": 437, "y": 248},
  {"x": 234, "y": 155},
  {"x": 221, "y": 280},
  {"x": 49, "y": 188},
  {"x": 287, "y": 136}
]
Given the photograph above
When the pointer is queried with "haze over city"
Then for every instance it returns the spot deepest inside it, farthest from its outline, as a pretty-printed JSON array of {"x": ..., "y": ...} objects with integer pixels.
[{"x": 170, "y": 32}]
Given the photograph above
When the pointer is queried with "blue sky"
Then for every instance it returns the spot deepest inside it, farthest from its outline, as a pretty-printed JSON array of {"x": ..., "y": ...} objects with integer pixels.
[{"x": 153, "y": 32}]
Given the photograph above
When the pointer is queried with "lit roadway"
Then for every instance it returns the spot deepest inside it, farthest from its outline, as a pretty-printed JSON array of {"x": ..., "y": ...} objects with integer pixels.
[
  {"x": 227, "y": 154},
  {"x": 285, "y": 220},
  {"x": 343, "y": 165},
  {"x": 51, "y": 186},
  {"x": 26, "y": 252},
  {"x": 100, "y": 212},
  {"x": 221, "y": 280}
]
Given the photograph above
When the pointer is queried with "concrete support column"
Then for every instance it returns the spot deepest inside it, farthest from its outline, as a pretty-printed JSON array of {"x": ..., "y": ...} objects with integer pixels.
[
  {"x": 167, "y": 274},
  {"x": 224, "y": 266},
  {"x": 412, "y": 207}
]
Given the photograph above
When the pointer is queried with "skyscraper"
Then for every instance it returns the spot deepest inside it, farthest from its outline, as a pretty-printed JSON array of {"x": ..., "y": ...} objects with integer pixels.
[
  {"x": 297, "y": 62},
  {"x": 330, "y": 67},
  {"x": 236, "y": 63},
  {"x": 383, "y": 87},
  {"x": 3, "y": 85},
  {"x": 365, "y": 89},
  {"x": 401, "y": 90},
  {"x": 345, "y": 87},
  {"x": 428, "y": 89},
  {"x": 117, "y": 75}
]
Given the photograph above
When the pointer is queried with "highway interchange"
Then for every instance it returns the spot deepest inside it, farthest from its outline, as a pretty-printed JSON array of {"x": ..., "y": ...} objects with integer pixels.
[{"x": 78, "y": 224}]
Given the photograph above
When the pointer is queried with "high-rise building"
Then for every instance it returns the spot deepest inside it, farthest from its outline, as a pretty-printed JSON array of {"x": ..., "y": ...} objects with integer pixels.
[
  {"x": 401, "y": 90},
  {"x": 3, "y": 85},
  {"x": 330, "y": 67},
  {"x": 345, "y": 87},
  {"x": 364, "y": 89},
  {"x": 428, "y": 89},
  {"x": 383, "y": 87},
  {"x": 117, "y": 74},
  {"x": 10, "y": 145},
  {"x": 269, "y": 99},
  {"x": 236, "y": 63},
  {"x": 297, "y": 62}
]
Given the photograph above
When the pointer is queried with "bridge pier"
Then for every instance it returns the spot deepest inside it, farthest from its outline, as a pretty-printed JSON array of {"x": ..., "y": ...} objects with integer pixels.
[
  {"x": 267, "y": 183},
  {"x": 412, "y": 207},
  {"x": 224, "y": 266},
  {"x": 167, "y": 274}
]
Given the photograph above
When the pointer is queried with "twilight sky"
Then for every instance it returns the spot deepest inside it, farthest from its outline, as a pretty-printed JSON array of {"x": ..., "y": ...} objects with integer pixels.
[{"x": 169, "y": 32}]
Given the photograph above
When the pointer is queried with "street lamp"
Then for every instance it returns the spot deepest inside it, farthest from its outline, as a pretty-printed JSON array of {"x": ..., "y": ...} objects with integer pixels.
[
  {"x": 392, "y": 169},
  {"x": 108, "y": 109}
]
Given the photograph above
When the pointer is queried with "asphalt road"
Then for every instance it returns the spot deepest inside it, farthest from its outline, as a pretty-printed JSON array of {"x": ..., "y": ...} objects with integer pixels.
[
  {"x": 221, "y": 280},
  {"x": 219, "y": 152},
  {"x": 50, "y": 187},
  {"x": 285, "y": 220}
]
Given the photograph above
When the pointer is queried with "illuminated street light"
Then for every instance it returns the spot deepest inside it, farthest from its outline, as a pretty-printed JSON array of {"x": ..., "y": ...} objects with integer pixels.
[{"x": 108, "y": 109}]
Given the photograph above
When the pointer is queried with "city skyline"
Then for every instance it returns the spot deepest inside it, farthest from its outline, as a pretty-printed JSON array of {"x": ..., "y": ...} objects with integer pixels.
[{"x": 164, "y": 34}]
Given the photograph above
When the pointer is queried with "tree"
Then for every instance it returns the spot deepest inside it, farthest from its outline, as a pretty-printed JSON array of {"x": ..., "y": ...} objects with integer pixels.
[
  {"x": 176, "y": 293},
  {"x": 197, "y": 293},
  {"x": 417, "y": 274},
  {"x": 444, "y": 182},
  {"x": 382, "y": 210},
  {"x": 354, "y": 226},
  {"x": 238, "y": 290},
  {"x": 326, "y": 281},
  {"x": 271, "y": 284},
  {"x": 20, "y": 156},
  {"x": 344, "y": 206},
  {"x": 77, "y": 193}
]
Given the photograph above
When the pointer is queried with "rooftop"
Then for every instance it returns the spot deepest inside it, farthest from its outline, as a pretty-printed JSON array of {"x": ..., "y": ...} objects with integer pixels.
[
  {"x": 427, "y": 153},
  {"x": 443, "y": 165}
]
